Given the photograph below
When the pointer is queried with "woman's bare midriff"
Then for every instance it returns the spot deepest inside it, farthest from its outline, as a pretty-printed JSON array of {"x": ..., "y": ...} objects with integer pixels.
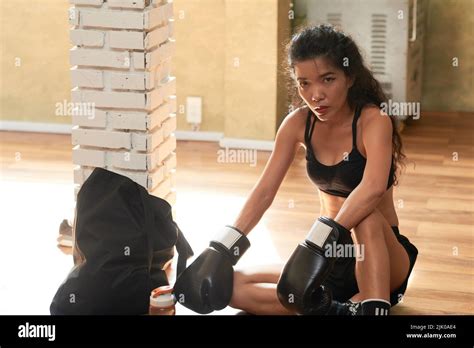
[{"x": 330, "y": 206}]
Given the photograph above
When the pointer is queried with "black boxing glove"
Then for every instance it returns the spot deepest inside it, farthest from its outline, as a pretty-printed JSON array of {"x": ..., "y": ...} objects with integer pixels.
[
  {"x": 299, "y": 287},
  {"x": 206, "y": 285}
]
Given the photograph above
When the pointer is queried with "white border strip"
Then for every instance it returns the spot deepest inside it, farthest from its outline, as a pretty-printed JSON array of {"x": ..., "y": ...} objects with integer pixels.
[{"x": 36, "y": 127}]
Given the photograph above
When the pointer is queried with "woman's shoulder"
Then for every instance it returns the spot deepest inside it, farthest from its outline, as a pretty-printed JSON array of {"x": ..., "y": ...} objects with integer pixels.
[
  {"x": 296, "y": 118},
  {"x": 371, "y": 114},
  {"x": 295, "y": 123}
]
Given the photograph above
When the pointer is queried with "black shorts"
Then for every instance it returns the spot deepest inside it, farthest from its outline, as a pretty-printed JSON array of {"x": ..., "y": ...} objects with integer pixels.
[{"x": 342, "y": 281}]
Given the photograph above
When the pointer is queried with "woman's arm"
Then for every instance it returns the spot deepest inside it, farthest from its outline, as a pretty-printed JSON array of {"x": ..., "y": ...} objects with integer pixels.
[
  {"x": 264, "y": 191},
  {"x": 377, "y": 138}
]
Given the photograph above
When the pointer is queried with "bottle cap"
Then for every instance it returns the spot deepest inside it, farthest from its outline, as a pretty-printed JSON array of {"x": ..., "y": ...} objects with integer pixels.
[{"x": 162, "y": 297}]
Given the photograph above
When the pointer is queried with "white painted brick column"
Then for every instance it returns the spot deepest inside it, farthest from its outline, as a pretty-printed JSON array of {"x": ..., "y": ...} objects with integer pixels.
[{"x": 121, "y": 62}]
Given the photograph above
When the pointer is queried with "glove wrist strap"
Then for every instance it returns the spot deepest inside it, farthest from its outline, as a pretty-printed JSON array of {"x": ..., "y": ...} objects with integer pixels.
[
  {"x": 325, "y": 230},
  {"x": 232, "y": 241}
]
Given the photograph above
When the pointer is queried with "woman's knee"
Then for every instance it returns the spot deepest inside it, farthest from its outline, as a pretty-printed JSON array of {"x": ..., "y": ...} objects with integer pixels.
[{"x": 370, "y": 227}]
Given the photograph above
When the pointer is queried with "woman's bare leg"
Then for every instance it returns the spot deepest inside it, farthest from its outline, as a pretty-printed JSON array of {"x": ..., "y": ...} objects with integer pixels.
[
  {"x": 255, "y": 288},
  {"x": 397, "y": 256},
  {"x": 255, "y": 291}
]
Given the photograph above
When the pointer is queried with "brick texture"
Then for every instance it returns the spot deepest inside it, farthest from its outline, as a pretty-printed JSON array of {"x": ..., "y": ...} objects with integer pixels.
[{"x": 120, "y": 61}]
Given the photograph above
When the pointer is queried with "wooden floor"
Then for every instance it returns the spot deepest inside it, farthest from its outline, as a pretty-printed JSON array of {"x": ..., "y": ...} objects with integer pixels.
[{"x": 434, "y": 203}]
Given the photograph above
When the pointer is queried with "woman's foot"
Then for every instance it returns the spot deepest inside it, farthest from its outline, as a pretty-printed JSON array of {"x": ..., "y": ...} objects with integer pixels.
[{"x": 345, "y": 308}]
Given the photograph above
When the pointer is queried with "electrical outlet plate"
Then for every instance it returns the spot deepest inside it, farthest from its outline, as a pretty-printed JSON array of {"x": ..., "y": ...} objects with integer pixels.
[{"x": 194, "y": 110}]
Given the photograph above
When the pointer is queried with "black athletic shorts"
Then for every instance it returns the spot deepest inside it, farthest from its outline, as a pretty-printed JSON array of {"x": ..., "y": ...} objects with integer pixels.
[{"x": 342, "y": 281}]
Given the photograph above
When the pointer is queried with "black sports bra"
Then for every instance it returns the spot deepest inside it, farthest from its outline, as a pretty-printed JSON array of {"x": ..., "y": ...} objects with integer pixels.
[{"x": 342, "y": 178}]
